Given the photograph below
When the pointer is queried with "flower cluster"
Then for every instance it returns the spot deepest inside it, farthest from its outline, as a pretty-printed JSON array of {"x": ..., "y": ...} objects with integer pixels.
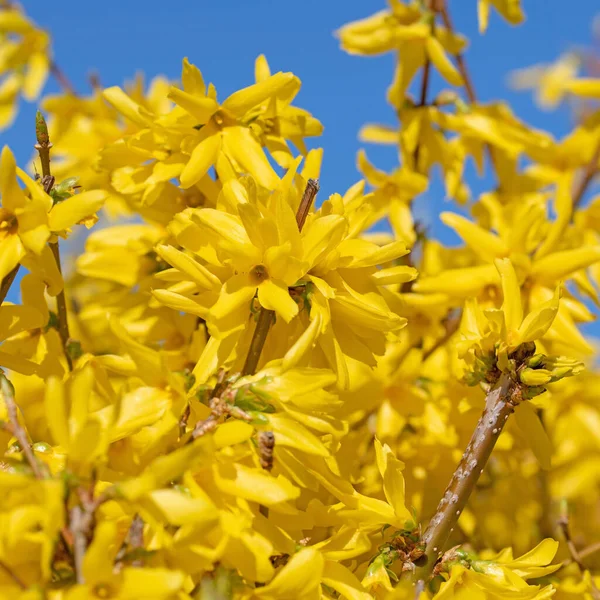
[{"x": 250, "y": 392}]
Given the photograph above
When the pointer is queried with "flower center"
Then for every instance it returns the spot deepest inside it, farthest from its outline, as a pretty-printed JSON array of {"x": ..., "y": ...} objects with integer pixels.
[
  {"x": 8, "y": 223},
  {"x": 103, "y": 590},
  {"x": 258, "y": 274}
]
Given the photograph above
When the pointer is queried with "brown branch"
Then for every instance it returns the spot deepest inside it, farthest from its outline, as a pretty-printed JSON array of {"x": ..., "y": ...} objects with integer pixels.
[
  {"x": 464, "y": 71},
  {"x": 564, "y": 524},
  {"x": 499, "y": 405},
  {"x": 422, "y": 103},
  {"x": 589, "y": 172},
  {"x": 62, "y": 79},
  {"x": 61, "y": 309},
  {"x": 18, "y": 430},
  {"x": 451, "y": 324},
  {"x": 43, "y": 147},
  {"x": 7, "y": 282},
  {"x": 460, "y": 60},
  {"x": 80, "y": 522},
  {"x": 263, "y": 324},
  {"x": 266, "y": 317}
]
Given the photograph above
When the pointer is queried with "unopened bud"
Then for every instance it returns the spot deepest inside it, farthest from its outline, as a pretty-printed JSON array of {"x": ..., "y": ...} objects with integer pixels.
[
  {"x": 535, "y": 377},
  {"x": 41, "y": 129}
]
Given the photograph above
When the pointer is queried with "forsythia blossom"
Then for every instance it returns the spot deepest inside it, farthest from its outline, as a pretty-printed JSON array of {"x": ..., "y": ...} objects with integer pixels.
[{"x": 244, "y": 393}]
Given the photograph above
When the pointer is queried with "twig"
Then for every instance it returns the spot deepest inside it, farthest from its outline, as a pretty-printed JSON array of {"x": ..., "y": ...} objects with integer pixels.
[
  {"x": 7, "y": 282},
  {"x": 589, "y": 172},
  {"x": 563, "y": 523},
  {"x": 263, "y": 324},
  {"x": 460, "y": 60},
  {"x": 80, "y": 522},
  {"x": 12, "y": 575},
  {"x": 62, "y": 79},
  {"x": 136, "y": 538},
  {"x": 17, "y": 429},
  {"x": 464, "y": 71},
  {"x": 422, "y": 103},
  {"x": 451, "y": 323},
  {"x": 82, "y": 519},
  {"x": 500, "y": 403},
  {"x": 43, "y": 147},
  {"x": 310, "y": 192},
  {"x": 266, "y": 317}
]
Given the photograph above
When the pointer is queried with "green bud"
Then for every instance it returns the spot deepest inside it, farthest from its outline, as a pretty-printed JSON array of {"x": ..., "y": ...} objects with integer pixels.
[
  {"x": 537, "y": 360},
  {"x": 41, "y": 129}
]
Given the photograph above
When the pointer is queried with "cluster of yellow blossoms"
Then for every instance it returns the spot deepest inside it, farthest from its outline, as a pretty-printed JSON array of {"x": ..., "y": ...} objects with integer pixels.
[{"x": 242, "y": 393}]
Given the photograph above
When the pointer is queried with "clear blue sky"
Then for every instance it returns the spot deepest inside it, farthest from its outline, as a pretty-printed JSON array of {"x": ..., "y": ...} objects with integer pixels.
[{"x": 222, "y": 38}]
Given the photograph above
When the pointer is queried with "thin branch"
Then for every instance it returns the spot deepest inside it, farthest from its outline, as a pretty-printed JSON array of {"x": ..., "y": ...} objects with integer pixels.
[
  {"x": 7, "y": 282},
  {"x": 61, "y": 309},
  {"x": 422, "y": 103},
  {"x": 464, "y": 71},
  {"x": 564, "y": 525},
  {"x": 589, "y": 172},
  {"x": 136, "y": 538},
  {"x": 263, "y": 324},
  {"x": 43, "y": 147},
  {"x": 310, "y": 192},
  {"x": 17, "y": 429},
  {"x": 460, "y": 60},
  {"x": 62, "y": 79},
  {"x": 451, "y": 323},
  {"x": 80, "y": 522},
  {"x": 266, "y": 317},
  {"x": 499, "y": 405}
]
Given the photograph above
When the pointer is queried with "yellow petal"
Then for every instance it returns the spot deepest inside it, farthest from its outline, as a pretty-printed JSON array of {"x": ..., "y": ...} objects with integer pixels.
[
  {"x": 231, "y": 433},
  {"x": 253, "y": 485},
  {"x": 532, "y": 429},
  {"x": 201, "y": 107},
  {"x": 240, "y": 102},
  {"x": 71, "y": 211},
  {"x": 126, "y": 106},
  {"x": 288, "y": 432},
  {"x": 298, "y": 578},
  {"x": 151, "y": 583},
  {"x": 11, "y": 253},
  {"x": 343, "y": 581},
  {"x": 586, "y": 88},
  {"x": 242, "y": 149},
  {"x": 511, "y": 304},
  {"x": 559, "y": 265},
  {"x": 203, "y": 157},
  {"x": 485, "y": 244},
  {"x": 438, "y": 56},
  {"x": 539, "y": 320},
  {"x": 274, "y": 295}
]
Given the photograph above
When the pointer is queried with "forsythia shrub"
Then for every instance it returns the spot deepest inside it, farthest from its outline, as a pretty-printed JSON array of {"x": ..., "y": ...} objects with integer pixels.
[{"x": 240, "y": 395}]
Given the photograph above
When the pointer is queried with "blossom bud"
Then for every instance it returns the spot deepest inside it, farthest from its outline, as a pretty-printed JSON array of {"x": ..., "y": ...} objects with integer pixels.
[{"x": 535, "y": 377}]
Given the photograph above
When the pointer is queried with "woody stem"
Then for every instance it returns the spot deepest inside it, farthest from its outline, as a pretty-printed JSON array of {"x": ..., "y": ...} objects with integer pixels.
[
  {"x": 266, "y": 317},
  {"x": 498, "y": 407},
  {"x": 43, "y": 147}
]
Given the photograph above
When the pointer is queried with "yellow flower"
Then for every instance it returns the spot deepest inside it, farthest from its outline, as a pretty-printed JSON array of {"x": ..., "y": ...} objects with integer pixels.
[
  {"x": 24, "y": 60},
  {"x": 224, "y": 128}
]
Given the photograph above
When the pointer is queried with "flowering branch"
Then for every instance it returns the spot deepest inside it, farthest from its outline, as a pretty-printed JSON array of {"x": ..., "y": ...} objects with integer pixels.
[
  {"x": 500, "y": 403},
  {"x": 43, "y": 147},
  {"x": 589, "y": 172},
  {"x": 17, "y": 430},
  {"x": 266, "y": 317},
  {"x": 576, "y": 557},
  {"x": 7, "y": 282}
]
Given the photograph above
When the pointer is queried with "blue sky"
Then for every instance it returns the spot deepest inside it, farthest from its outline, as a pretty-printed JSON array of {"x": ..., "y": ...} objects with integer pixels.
[{"x": 118, "y": 38}]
